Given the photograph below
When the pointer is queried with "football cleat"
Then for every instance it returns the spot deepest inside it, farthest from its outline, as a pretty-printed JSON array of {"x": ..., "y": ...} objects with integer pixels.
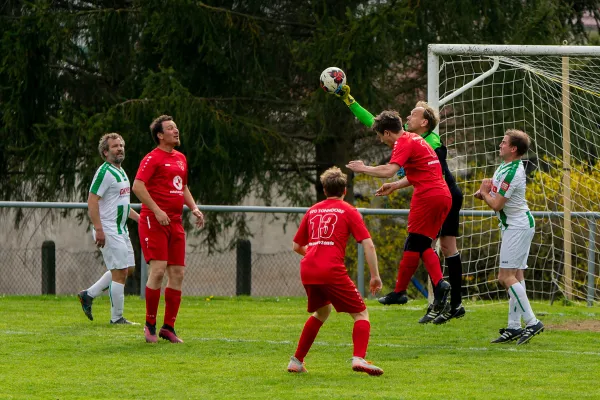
[
  {"x": 150, "y": 333},
  {"x": 508, "y": 335},
  {"x": 449, "y": 313},
  {"x": 440, "y": 295},
  {"x": 86, "y": 303},
  {"x": 394, "y": 298},
  {"x": 361, "y": 365},
  {"x": 531, "y": 331},
  {"x": 296, "y": 366},
  {"x": 123, "y": 321},
  {"x": 169, "y": 334},
  {"x": 429, "y": 316}
]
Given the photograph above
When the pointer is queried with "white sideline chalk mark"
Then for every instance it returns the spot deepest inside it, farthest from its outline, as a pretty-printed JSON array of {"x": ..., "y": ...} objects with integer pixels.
[
  {"x": 407, "y": 308},
  {"x": 501, "y": 347}
]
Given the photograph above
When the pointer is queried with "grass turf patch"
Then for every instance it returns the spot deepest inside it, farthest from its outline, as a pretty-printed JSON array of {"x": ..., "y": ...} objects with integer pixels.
[{"x": 240, "y": 347}]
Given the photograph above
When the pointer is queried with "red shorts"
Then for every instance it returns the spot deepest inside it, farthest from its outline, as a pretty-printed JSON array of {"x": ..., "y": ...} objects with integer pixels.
[
  {"x": 343, "y": 296},
  {"x": 162, "y": 242},
  {"x": 427, "y": 215}
]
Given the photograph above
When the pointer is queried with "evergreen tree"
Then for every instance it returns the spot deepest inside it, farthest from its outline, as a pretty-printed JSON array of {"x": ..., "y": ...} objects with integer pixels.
[{"x": 239, "y": 77}]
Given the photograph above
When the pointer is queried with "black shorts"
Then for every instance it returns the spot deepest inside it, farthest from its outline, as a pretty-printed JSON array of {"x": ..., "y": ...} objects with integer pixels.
[{"x": 450, "y": 226}]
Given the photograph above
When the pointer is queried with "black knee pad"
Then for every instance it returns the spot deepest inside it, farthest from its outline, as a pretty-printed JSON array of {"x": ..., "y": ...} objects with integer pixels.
[{"x": 417, "y": 242}]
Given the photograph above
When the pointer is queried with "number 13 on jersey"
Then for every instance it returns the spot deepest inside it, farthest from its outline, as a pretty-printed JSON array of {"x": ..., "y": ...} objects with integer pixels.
[{"x": 322, "y": 226}]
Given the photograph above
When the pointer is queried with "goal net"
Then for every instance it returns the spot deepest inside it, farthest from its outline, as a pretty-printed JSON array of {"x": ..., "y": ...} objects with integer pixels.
[{"x": 553, "y": 94}]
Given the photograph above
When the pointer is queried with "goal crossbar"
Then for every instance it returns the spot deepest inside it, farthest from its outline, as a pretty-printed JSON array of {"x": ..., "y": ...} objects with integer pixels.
[
  {"x": 513, "y": 50},
  {"x": 436, "y": 50}
]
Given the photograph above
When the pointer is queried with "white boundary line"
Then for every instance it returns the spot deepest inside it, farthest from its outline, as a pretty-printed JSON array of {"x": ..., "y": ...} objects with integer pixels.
[{"x": 499, "y": 347}]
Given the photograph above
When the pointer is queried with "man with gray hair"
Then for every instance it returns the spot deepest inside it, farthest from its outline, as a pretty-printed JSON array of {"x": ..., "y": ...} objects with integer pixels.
[{"x": 109, "y": 208}]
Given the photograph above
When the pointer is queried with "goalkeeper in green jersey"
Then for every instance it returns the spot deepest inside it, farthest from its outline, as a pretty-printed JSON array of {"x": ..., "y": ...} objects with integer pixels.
[{"x": 423, "y": 120}]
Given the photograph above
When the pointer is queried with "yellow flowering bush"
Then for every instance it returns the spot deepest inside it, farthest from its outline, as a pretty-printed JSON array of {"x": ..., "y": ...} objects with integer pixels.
[{"x": 480, "y": 241}]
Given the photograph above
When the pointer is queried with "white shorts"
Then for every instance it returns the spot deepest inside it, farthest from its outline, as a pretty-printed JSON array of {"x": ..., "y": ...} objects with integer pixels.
[
  {"x": 117, "y": 251},
  {"x": 514, "y": 249}
]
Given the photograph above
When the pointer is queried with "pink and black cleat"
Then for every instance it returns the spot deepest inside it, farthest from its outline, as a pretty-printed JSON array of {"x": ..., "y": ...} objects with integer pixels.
[
  {"x": 168, "y": 333},
  {"x": 150, "y": 333}
]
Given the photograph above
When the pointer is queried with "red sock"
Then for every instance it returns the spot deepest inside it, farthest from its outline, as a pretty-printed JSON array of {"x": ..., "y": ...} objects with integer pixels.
[
  {"x": 406, "y": 269},
  {"x": 309, "y": 333},
  {"x": 433, "y": 266},
  {"x": 172, "y": 302},
  {"x": 360, "y": 337},
  {"x": 152, "y": 300}
]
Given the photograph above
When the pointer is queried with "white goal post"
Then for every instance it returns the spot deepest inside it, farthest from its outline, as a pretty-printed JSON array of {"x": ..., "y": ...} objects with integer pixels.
[{"x": 553, "y": 94}]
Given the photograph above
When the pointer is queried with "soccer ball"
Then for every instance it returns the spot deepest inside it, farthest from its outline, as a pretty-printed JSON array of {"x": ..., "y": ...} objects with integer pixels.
[{"x": 332, "y": 80}]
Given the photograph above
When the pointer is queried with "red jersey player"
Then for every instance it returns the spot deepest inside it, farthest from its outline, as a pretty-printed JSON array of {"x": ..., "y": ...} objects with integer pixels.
[
  {"x": 161, "y": 186},
  {"x": 429, "y": 206},
  {"x": 321, "y": 239}
]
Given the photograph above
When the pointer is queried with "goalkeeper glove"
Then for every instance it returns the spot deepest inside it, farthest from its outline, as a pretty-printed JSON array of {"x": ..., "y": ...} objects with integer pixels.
[{"x": 345, "y": 95}]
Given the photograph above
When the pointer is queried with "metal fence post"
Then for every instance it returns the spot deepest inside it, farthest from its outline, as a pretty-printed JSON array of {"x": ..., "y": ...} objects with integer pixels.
[
  {"x": 143, "y": 276},
  {"x": 360, "y": 272},
  {"x": 243, "y": 279},
  {"x": 591, "y": 263},
  {"x": 48, "y": 267},
  {"x": 360, "y": 268}
]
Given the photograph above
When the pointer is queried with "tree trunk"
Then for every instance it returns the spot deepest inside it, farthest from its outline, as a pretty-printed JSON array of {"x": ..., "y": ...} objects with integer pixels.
[{"x": 334, "y": 151}]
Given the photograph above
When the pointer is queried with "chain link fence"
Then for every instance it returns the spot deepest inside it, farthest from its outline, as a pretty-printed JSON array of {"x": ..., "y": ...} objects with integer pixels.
[
  {"x": 22, "y": 273},
  {"x": 71, "y": 262}
]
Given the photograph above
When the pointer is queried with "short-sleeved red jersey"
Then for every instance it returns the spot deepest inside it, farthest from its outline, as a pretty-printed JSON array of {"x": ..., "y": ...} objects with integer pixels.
[
  {"x": 165, "y": 176},
  {"x": 325, "y": 228},
  {"x": 421, "y": 165}
]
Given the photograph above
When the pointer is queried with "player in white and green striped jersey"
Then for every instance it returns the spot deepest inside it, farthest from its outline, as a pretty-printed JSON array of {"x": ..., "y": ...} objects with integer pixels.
[
  {"x": 109, "y": 208},
  {"x": 505, "y": 194}
]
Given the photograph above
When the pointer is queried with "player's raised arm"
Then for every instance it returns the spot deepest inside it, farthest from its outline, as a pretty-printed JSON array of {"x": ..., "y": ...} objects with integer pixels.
[
  {"x": 363, "y": 115},
  {"x": 390, "y": 187},
  {"x": 379, "y": 171}
]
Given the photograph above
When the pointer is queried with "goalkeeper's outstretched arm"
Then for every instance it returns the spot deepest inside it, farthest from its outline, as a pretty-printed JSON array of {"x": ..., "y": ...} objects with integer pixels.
[{"x": 364, "y": 116}]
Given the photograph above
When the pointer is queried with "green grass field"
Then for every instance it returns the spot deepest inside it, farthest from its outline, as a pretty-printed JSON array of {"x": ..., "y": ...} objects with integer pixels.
[{"x": 238, "y": 348}]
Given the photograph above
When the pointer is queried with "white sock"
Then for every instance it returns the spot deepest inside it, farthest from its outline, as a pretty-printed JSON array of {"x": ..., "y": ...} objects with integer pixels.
[
  {"x": 117, "y": 300},
  {"x": 524, "y": 287},
  {"x": 517, "y": 292},
  {"x": 100, "y": 285},
  {"x": 514, "y": 314}
]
